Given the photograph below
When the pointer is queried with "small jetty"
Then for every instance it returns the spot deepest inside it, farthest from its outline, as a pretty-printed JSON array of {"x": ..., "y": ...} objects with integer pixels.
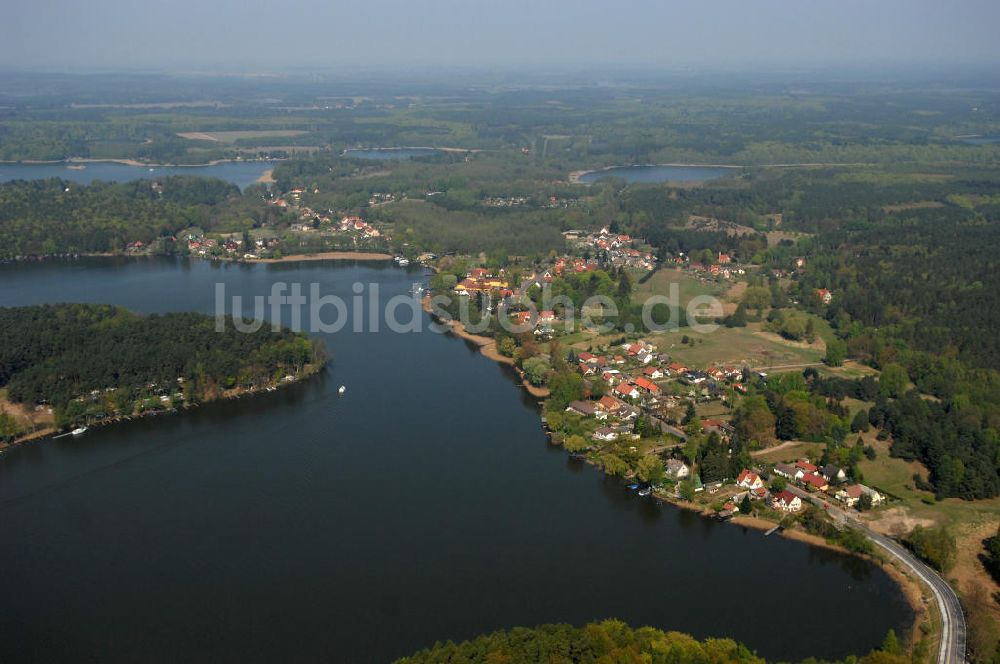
[{"x": 775, "y": 529}]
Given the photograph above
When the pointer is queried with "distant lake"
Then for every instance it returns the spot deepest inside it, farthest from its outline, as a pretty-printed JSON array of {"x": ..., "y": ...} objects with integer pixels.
[
  {"x": 385, "y": 154},
  {"x": 240, "y": 173},
  {"x": 653, "y": 173},
  {"x": 978, "y": 140}
]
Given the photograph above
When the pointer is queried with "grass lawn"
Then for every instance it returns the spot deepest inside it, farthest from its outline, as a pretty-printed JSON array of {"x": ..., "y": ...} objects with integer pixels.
[
  {"x": 688, "y": 286},
  {"x": 735, "y": 346}
]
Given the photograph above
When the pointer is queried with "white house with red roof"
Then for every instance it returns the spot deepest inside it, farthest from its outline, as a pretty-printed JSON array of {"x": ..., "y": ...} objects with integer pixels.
[
  {"x": 749, "y": 480},
  {"x": 786, "y": 501}
]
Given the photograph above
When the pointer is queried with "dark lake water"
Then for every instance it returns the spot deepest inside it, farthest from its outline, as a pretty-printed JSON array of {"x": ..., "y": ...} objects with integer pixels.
[
  {"x": 423, "y": 505},
  {"x": 385, "y": 154},
  {"x": 240, "y": 173},
  {"x": 653, "y": 173}
]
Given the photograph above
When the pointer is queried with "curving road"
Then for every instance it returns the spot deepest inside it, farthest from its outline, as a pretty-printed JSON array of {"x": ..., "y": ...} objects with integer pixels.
[{"x": 953, "y": 637}]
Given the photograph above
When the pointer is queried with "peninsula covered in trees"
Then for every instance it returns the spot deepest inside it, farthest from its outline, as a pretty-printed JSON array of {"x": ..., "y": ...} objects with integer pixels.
[{"x": 89, "y": 363}]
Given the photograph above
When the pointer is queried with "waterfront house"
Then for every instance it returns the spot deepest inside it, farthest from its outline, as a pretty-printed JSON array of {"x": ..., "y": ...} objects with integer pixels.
[
  {"x": 587, "y": 409},
  {"x": 606, "y": 434},
  {"x": 677, "y": 469},
  {"x": 786, "y": 501}
]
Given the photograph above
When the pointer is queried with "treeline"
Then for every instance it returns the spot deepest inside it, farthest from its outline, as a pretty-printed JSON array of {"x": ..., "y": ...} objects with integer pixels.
[
  {"x": 87, "y": 359},
  {"x": 610, "y": 641},
  {"x": 43, "y": 217}
]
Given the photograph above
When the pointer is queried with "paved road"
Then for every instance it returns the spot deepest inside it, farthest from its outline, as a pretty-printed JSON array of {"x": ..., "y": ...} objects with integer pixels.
[{"x": 953, "y": 636}]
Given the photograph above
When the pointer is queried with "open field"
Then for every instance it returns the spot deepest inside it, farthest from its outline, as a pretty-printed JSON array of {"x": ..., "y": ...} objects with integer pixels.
[
  {"x": 233, "y": 136},
  {"x": 688, "y": 286},
  {"x": 735, "y": 346}
]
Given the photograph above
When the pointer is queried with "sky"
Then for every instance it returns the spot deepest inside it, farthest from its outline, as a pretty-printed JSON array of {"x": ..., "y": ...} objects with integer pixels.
[{"x": 273, "y": 35}]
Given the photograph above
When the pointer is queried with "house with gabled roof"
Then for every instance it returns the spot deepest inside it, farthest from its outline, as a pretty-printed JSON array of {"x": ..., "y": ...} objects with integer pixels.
[
  {"x": 749, "y": 480},
  {"x": 786, "y": 501}
]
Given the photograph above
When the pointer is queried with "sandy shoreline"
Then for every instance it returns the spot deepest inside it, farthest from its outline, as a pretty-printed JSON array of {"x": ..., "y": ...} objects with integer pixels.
[
  {"x": 325, "y": 256},
  {"x": 267, "y": 177},
  {"x": 488, "y": 348}
]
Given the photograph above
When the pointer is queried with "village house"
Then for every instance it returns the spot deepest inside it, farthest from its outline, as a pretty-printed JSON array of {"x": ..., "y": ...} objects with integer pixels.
[
  {"x": 587, "y": 409},
  {"x": 676, "y": 469},
  {"x": 851, "y": 495},
  {"x": 833, "y": 474},
  {"x": 805, "y": 466},
  {"x": 788, "y": 471},
  {"x": 749, "y": 480},
  {"x": 814, "y": 481},
  {"x": 786, "y": 501},
  {"x": 606, "y": 434},
  {"x": 627, "y": 390}
]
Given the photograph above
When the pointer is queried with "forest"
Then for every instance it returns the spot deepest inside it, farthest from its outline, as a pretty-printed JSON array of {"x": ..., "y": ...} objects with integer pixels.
[
  {"x": 610, "y": 641},
  {"x": 88, "y": 360},
  {"x": 45, "y": 217}
]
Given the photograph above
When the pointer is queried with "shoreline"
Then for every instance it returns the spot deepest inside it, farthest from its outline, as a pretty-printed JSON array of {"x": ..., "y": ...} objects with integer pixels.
[
  {"x": 487, "y": 347},
  {"x": 323, "y": 256},
  {"x": 50, "y": 432},
  {"x": 130, "y": 162}
]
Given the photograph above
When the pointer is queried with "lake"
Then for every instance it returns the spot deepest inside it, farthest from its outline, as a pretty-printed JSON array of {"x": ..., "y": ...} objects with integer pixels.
[
  {"x": 385, "y": 154},
  {"x": 661, "y": 173},
  {"x": 423, "y": 505},
  {"x": 240, "y": 173}
]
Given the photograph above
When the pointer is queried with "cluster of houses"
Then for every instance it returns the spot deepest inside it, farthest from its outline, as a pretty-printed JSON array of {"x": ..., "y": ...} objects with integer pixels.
[
  {"x": 724, "y": 266},
  {"x": 505, "y": 201},
  {"x": 482, "y": 280},
  {"x": 199, "y": 245},
  {"x": 619, "y": 248},
  {"x": 830, "y": 479}
]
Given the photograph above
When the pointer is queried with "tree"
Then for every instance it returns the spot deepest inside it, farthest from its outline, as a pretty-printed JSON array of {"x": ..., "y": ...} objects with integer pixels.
[
  {"x": 934, "y": 545},
  {"x": 745, "y": 506},
  {"x": 536, "y": 369},
  {"x": 738, "y": 318},
  {"x": 507, "y": 346},
  {"x": 778, "y": 484},
  {"x": 865, "y": 502},
  {"x": 575, "y": 443},
  {"x": 564, "y": 387},
  {"x": 860, "y": 422},
  {"x": 690, "y": 414},
  {"x": 650, "y": 469},
  {"x": 893, "y": 381},
  {"x": 686, "y": 489},
  {"x": 836, "y": 353},
  {"x": 891, "y": 644},
  {"x": 613, "y": 465}
]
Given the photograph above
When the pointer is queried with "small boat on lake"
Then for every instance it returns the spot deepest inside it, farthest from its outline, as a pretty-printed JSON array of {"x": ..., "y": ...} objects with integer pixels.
[
  {"x": 342, "y": 389},
  {"x": 403, "y": 262},
  {"x": 646, "y": 491},
  {"x": 79, "y": 431}
]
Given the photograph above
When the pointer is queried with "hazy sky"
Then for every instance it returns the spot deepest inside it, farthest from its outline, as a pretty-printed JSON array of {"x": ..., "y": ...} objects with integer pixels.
[{"x": 278, "y": 34}]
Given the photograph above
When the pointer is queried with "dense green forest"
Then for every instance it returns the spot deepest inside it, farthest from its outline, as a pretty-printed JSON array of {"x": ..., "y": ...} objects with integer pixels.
[
  {"x": 97, "y": 360},
  {"x": 609, "y": 641},
  {"x": 44, "y": 217}
]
